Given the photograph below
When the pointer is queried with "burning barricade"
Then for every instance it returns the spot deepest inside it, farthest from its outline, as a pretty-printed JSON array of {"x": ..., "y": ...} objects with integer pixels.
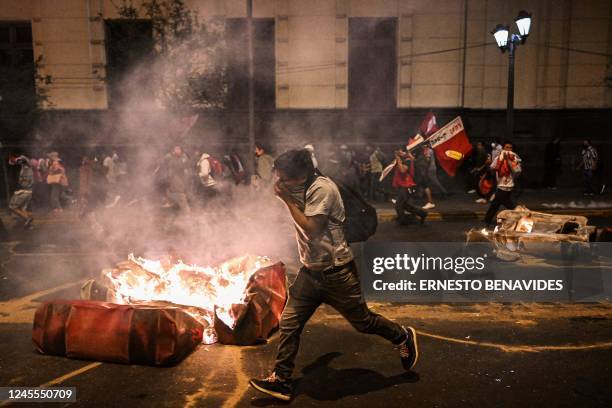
[
  {"x": 522, "y": 231},
  {"x": 156, "y": 312}
]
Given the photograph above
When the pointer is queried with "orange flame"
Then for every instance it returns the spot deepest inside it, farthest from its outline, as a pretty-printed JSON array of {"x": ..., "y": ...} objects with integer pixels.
[{"x": 209, "y": 289}]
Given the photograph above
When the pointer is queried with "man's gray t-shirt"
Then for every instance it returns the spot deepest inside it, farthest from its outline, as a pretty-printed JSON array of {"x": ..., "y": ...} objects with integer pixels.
[{"x": 330, "y": 248}]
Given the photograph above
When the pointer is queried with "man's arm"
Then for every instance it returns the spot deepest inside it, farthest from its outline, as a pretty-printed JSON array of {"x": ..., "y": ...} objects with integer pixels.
[
  {"x": 495, "y": 164},
  {"x": 204, "y": 168},
  {"x": 401, "y": 164},
  {"x": 595, "y": 158},
  {"x": 311, "y": 225},
  {"x": 515, "y": 165}
]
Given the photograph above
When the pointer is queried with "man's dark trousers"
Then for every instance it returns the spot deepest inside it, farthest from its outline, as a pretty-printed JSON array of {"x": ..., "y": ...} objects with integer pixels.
[
  {"x": 502, "y": 197},
  {"x": 406, "y": 203},
  {"x": 340, "y": 288},
  {"x": 588, "y": 182}
]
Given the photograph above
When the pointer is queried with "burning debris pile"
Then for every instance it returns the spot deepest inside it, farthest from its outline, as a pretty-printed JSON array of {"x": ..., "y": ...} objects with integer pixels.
[
  {"x": 237, "y": 302},
  {"x": 535, "y": 233}
]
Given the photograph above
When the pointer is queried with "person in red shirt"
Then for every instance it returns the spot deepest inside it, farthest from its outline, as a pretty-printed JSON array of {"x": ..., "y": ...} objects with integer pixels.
[{"x": 403, "y": 182}]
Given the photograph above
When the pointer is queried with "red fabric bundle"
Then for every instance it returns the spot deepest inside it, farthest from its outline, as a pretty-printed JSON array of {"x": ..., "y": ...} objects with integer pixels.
[
  {"x": 116, "y": 333},
  {"x": 260, "y": 316}
]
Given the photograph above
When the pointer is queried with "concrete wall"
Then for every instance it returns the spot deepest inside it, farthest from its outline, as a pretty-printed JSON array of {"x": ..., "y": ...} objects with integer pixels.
[{"x": 312, "y": 50}]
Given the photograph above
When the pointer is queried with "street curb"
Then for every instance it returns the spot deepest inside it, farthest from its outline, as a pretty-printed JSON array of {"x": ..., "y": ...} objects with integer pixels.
[{"x": 387, "y": 215}]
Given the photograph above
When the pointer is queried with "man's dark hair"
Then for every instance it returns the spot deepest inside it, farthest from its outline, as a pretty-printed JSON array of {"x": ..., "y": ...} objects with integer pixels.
[
  {"x": 295, "y": 164},
  {"x": 261, "y": 146}
]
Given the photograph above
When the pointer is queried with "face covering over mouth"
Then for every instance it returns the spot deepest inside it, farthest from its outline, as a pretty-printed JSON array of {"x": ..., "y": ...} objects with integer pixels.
[{"x": 296, "y": 191}]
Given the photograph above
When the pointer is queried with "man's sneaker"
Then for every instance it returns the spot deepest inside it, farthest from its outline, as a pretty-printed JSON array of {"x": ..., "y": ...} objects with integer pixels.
[
  {"x": 422, "y": 218},
  {"x": 429, "y": 206},
  {"x": 481, "y": 201},
  {"x": 273, "y": 386},
  {"x": 408, "y": 349},
  {"x": 472, "y": 191},
  {"x": 28, "y": 223}
]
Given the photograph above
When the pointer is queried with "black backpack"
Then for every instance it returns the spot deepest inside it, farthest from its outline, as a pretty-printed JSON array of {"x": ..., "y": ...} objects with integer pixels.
[{"x": 360, "y": 219}]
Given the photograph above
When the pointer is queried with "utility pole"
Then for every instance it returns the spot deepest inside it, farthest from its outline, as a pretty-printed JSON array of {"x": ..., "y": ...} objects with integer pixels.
[
  {"x": 251, "y": 154},
  {"x": 510, "y": 104}
]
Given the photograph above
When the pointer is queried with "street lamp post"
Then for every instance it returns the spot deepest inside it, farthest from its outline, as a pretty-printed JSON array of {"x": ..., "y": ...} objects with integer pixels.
[
  {"x": 509, "y": 42},
  {"x": 251, "y": 86}
]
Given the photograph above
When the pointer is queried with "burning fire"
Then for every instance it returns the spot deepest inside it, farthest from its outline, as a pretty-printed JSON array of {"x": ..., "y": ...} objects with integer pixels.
[
  {"x": 206, "y": 291},
  {"x": 524, "y": 224}
]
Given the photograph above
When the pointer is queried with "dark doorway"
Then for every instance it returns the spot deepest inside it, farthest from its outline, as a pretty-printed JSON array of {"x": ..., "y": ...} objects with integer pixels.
[
  {"x": 128, "y": 44},
  {"x": 264, "y": 60},
  {"x": 17, "y": 68},
  {"x": 372, "y": 63}
]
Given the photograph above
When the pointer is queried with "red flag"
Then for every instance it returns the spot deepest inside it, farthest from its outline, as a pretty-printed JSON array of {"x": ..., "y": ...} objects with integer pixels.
[
  {"x": 428, "y": 125},
  {"x": 451, "y": 145},
  {"x": 179, "y": 126}
]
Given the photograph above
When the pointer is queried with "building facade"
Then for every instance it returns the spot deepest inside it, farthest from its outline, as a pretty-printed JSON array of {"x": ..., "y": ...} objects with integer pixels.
[
  {"x": 317, "y": 44},
  {"x": 339, "y": 71}
]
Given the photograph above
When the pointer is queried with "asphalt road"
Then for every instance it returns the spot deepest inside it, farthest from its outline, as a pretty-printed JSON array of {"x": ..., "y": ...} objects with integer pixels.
[{"x": 486, "y": 355}]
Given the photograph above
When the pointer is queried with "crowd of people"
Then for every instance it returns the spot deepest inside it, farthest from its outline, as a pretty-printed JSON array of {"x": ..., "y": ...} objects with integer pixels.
[
  {"x": 39, "y": 177},
  {"x": 182, "y": 180}
]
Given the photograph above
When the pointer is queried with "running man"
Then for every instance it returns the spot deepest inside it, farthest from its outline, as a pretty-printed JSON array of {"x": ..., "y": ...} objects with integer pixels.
[{"x": 328, "y": 274}]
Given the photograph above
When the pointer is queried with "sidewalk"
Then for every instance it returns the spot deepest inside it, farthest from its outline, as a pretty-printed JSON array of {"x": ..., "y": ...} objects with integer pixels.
[
  {"x": 462, "y": 206},
  {"x": 457, "y": 207}
]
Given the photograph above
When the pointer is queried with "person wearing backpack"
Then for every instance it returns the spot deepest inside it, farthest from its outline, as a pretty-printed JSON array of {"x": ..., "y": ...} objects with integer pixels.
[
  {"x": 208, "y": 168},
  {"x": 328, "y": 274},
  {"x": 233, "y": 162}
]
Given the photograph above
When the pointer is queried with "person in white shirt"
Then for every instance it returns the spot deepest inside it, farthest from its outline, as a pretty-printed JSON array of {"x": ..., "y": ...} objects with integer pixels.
[
  {"x": 111, "y": 165},
  {"x": 205, "y": 175},
  {"x": 507, "y": 167}
]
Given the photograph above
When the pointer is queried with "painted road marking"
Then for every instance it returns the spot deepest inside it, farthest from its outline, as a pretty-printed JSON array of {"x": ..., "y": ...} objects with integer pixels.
[
  {"x": 242, "y": 382},
  {"x": 510, "y": 348},
  {"x": 21, "y": 310},
  {"x": 518, "y": 348},
  {"x": 193, "y": 400},
  {"x": 71, "y": 374}
]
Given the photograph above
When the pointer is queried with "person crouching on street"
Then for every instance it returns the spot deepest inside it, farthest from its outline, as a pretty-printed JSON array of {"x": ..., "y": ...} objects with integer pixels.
[
  {"x": 328, "y": 274},
  {"x": 507, "y": 166}
]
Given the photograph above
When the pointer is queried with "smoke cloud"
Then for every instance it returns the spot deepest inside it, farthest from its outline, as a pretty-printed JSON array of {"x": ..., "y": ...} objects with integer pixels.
[{"x": 142, "y": 128}]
